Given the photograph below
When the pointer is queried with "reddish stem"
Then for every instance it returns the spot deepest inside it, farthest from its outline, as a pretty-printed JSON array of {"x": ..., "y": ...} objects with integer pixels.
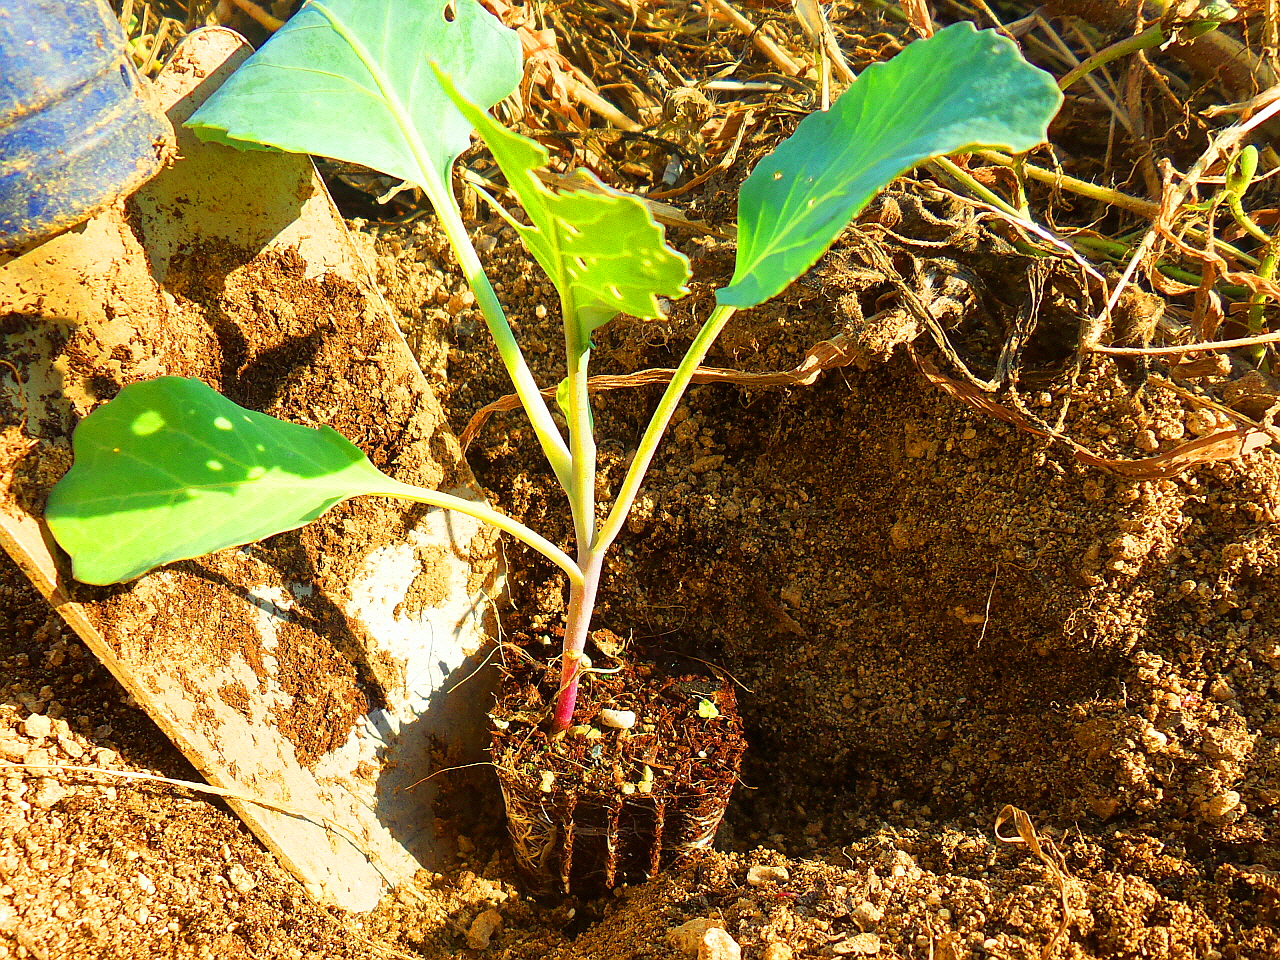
[{"x": 582, "y": 602}]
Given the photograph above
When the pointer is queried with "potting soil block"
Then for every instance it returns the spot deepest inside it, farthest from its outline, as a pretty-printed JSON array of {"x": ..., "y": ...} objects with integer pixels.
[{"x": 314, "y": 669}]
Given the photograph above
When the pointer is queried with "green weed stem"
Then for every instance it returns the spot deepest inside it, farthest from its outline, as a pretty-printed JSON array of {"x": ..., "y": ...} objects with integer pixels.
[{"x": 1151, "y": 37}]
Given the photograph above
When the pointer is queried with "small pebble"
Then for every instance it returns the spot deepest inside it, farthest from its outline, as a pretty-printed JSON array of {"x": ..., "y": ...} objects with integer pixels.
[
  {"x": 618, "y": 719},
  {"x": 37, "y": 726},
  {"x": 687, "y": 938},
  {"x": 240, "y": 878},
  {"x": 1154, "y": 741},
  {"x": 859, "y": 945},
  {"x": 1104, "y": 807},
  {"x": 1222, "y": 805},
  {"x": 761, "y": 874},
  {"x": 1221, "y": 691},
  {"x": 718, "y": 945},
  {"x": 483, "y": 928},
  {"x": 867, "y": 914},
  {"x": 48, "y": 793},
  {"x": 778, "y": 951}
]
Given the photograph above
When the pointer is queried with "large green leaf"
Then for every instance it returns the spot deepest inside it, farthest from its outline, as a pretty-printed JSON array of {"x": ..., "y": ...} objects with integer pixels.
[
  {"x": 170, "y": 470},
  {"x": 959, "y": 89},
  {"x": 352, "y": 80},
  {"x": 601, "y": 248}
]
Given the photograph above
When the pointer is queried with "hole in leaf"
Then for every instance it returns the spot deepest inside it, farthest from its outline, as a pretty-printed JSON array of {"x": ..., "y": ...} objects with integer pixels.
[{"x": 450, "y": 12}]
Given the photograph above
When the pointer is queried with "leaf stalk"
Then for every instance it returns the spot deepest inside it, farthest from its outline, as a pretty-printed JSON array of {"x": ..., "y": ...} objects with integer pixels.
[
  {"x": 548, "y": 434},
  {"x": 481, "y": 511}
]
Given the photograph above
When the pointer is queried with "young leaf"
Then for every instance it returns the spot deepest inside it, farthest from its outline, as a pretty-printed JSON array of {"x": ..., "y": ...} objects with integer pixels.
[
  {"x": 958, "y": 89},
  {"x": 601, "y": 248},
  {"x": 170, "y": 470},
  {"x": 351, "y": 79}
]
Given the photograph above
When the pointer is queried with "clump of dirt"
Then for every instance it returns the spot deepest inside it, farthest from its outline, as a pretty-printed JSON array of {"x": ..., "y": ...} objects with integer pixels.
[{"x": 639, "y": 782}]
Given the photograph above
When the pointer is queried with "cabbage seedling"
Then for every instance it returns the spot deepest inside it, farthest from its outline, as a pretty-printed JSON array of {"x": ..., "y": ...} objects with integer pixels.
[{"x": 169, "y": 469}]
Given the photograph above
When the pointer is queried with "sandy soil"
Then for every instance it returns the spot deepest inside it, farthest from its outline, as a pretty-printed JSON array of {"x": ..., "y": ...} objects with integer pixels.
[{"x": 933, "y": 614}]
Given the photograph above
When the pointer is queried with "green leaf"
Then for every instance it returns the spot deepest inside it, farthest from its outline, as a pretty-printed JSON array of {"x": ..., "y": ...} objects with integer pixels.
[
  {"x": 601, "y": 248},
  {"x": 170, "y": 470},
  {"x": 959, "y": 89},
  {"x": 351, "y": 79},
  {"x": 707, "y": 710}
]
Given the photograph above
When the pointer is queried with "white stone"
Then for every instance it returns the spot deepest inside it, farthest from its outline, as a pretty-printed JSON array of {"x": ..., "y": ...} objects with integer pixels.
[
  {"x": 687, "y": 938},
  {"x": 240, "y": 878},
  {"x": 37, "y": 726},
  {"x": 867, "y": 914},
  {"x": 48, "y": 793},
  {"x": 761, "y": 874},
  {"x": 618, "y": 719},
  {"x": 860, "y": 945},
  {"x": 718, "y": 945}
]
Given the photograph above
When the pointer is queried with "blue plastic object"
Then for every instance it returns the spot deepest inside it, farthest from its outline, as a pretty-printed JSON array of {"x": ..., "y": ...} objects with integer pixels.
[{"x": 76, "y": 131}]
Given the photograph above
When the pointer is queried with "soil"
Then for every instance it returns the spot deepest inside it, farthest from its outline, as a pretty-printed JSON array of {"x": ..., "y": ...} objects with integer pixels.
[
  {"x": 1000, "y": 703},
  {"x": 639, "y": 782}
]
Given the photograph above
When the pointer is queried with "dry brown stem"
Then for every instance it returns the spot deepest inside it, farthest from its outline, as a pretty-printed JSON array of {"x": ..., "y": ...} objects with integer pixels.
[
  {"x": 1027, "y": 835},
  {"x": 1241, "y": 438},
  {"x": 1175, "y": 196},
  {"x": 775, "y": 53},
  {"x": 837, "y": 352}
]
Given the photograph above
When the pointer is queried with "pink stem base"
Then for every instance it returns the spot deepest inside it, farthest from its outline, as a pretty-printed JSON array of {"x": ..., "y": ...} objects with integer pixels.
[{"x": 582, "y": 602}]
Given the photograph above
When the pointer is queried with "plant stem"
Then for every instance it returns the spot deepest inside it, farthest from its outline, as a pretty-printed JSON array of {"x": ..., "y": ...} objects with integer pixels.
[
  {"x": 582, "y": 443},
  {"x": 577, "y": 626},
  {"x": 1144, "y": 208},
  {"x": 482, "y": 511},
  {"x": 955, "y": 171},
  {"x": 658, "y": 423},
  {"x": 1245, "y": 221},
  {"x": 436, "y": 183},
  {"x": 1269, "y": 256},
  {"x": 1118, "y": 251},
  {"x": 582, "y": 597},
  {"x": 553, "y": 445},
  {"x": 1148, "y": 38}
]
